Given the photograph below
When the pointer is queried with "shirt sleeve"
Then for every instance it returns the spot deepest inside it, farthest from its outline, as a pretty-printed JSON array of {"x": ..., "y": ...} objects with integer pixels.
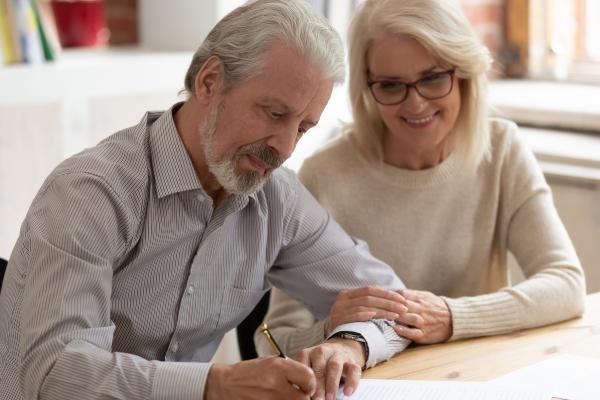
[
  {"x": 76, "y": 229},
  {"x": 318, "y": 259},
  {"x": 555, "y": 286}
]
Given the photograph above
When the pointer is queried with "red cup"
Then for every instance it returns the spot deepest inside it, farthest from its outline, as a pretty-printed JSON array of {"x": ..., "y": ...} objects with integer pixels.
[{"x": 80, "y": 23}]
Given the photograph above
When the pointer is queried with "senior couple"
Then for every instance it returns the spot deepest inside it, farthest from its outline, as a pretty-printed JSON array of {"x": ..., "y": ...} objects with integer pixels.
[{"x": 138, "y": 254}]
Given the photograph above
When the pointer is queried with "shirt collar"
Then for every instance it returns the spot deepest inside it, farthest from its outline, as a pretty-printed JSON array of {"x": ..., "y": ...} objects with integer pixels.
[
  {"x": 171, "y": 163},
  {"x": 173, "y": 168}
]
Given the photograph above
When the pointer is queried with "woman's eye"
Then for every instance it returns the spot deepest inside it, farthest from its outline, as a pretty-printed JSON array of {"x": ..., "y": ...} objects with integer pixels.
[
  {"x": 432, "y": 78},
  {"x": 391, "y": 85},
  {"x": 276, "y": 115}
]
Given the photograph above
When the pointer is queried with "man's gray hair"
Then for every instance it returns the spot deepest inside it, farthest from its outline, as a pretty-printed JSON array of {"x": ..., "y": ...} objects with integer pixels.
[{"x": 242, "y": 36}]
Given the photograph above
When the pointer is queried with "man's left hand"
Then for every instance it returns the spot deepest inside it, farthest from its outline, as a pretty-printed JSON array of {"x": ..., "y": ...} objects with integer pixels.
[
  {"x": 428, "y": 319},
  {"x": 331, "y": 361}
]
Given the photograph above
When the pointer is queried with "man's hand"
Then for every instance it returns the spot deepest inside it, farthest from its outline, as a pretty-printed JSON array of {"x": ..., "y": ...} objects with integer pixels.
[
  {"x": 364, "y": 304},
  {"x": 261, "y": 378},
  {"x": 331, "y": 361},
  {"x": 428, "y": 319}
]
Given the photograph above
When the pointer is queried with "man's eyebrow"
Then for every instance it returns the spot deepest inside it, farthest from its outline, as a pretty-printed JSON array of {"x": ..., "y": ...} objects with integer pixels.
[
  {"x": 278, "y": 102},
  {"x": 287, "y": 109}
]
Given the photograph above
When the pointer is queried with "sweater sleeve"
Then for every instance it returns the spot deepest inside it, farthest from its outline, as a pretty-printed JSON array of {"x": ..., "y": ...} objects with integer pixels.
[
  {"x": 554, "y": 289},
  {"x": 294, "y": 326}
]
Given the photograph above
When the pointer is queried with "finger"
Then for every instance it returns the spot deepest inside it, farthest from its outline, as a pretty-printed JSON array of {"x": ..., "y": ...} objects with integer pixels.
[
  {"x": 414, "y": 334},
  {"x": 416, "y": 308},
  {"x": 411, "y": 319},
  {"x": 303, "y": 357},
  {"x": 414, "y": 295},
  {"x": 319, "y": 367},
  {"x": 335, "y": 368},
  {"x": 367, "y": 314},
  {"x": 379, "y": 304},
  {"x": 357, "y": 316},
  {"x": 376, "y": 291},
  {"x": 352, "y": 377},
  {"x": 291, "y": 393},
  {"x": 344, "y": 294},
  {"x": 300, "y": 375}
]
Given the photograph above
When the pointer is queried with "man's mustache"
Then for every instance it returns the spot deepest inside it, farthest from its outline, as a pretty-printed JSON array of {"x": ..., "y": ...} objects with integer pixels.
[{"x": 264, "y": 153}]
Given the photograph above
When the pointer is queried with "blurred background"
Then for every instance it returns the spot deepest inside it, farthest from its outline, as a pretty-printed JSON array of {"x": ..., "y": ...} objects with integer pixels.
[{"x": 74, "y": 72}]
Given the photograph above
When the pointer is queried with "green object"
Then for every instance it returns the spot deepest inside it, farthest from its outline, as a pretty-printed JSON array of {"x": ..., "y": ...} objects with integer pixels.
[{"x": 49, "y": 53}]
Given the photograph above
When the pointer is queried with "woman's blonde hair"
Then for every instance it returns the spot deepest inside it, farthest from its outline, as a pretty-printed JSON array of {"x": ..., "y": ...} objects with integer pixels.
[{"x": 441, "y": 27}]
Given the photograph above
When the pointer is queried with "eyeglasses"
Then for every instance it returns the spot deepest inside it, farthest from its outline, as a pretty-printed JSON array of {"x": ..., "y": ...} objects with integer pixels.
[{"x": 391, "y": 92}]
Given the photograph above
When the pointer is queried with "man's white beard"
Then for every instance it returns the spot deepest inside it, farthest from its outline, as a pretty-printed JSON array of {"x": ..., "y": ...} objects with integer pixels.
[{"x": 224, "y": 170}]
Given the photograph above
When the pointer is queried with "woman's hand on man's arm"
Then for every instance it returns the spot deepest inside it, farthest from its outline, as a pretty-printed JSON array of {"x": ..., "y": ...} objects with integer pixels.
[
  {"x": 364, "y": 304},
  {"x": 428, "y": 319},
  {"x": 422, "y": 316}
]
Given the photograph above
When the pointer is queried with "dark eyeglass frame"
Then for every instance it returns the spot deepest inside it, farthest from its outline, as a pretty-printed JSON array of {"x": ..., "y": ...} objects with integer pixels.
[{"x": 413, "y": 85}]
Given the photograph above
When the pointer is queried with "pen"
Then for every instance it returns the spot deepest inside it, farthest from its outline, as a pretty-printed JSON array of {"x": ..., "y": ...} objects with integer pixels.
[{"x": 264, "y": 329}]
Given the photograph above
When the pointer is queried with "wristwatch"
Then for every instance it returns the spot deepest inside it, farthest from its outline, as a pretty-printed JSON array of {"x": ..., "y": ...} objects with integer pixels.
[{"x": 357, "y": 337}]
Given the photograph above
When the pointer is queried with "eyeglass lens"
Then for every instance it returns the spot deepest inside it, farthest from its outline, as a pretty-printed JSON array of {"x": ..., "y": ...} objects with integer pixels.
[{"x": 430, "y": 87}]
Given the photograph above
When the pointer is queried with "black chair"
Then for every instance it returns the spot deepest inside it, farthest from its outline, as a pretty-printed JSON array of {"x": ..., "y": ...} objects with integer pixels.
[
  {"x": 3, "y": 264},
  {"x": 245, "y": 330}
]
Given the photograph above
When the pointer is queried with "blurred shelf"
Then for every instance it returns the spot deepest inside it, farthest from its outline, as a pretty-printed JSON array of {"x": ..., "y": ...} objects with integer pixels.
[{"x": 95, "y": 72}]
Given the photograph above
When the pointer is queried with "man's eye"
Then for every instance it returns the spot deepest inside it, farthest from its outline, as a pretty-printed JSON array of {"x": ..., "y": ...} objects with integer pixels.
[{"x": 276, "y": 115}]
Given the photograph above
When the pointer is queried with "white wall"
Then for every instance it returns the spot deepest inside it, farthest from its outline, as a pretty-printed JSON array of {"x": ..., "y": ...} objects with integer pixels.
[{"x": 175, "y": 24}]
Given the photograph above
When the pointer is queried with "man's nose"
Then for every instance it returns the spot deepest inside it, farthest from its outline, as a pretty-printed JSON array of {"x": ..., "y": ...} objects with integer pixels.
[{"x": 284, "y": 141}]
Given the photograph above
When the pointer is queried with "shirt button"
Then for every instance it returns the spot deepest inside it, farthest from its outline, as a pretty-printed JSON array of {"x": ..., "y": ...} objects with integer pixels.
[
  {"x": 174, "y": 347},
  {"x": 190, "y": 290}
]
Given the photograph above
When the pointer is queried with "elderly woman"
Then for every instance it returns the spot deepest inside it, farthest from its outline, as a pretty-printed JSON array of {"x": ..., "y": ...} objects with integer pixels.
[{"x": 437, "y": 188}]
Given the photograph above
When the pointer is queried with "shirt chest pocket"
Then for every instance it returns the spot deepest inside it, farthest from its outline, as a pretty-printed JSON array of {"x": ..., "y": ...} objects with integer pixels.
[{"x": 236, "y": 305}]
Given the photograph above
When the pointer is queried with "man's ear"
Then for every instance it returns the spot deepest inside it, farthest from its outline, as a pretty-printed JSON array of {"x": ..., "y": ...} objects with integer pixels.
[{"x": 210, "y": 79}]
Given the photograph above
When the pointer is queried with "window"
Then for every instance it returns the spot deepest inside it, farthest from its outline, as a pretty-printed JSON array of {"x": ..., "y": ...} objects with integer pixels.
[{"x": 565, "y": 40}]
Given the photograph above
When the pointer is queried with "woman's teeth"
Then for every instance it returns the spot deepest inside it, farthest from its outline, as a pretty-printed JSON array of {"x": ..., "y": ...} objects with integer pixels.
[{"x": 420, "y": 120}]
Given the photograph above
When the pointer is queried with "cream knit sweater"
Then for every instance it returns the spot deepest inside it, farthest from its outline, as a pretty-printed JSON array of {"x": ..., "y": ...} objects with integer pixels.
[{"x": 448, "y": 231}]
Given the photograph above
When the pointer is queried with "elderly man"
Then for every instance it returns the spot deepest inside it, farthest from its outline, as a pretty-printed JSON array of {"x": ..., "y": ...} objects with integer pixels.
[{"x": 137, "y": 255}]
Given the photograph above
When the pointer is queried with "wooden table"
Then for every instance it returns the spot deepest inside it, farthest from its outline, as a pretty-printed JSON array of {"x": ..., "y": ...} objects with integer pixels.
[{"x": 481, "y": 359}]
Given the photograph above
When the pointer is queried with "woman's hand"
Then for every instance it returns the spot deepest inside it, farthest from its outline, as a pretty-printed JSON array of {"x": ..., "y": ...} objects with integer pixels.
[
  {"x": 428, "y": 319},
  {"x": 364, "y": 304}
]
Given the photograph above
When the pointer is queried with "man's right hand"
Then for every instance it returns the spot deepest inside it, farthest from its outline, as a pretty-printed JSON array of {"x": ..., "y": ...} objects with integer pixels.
[{"x": 261, "y": 378}]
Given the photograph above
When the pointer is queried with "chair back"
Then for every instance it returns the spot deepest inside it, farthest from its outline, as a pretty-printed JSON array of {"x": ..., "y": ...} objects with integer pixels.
[
  {"x": 245, "y": 330},
  {"x": 3, "y": 264}
]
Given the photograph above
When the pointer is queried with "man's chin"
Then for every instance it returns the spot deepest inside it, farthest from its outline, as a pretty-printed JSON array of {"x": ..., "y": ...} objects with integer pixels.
[{"x": 250, "y": 184}]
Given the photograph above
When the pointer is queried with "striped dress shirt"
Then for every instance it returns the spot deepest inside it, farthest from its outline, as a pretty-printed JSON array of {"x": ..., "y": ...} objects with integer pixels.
[{"x": 124, "y": 278}]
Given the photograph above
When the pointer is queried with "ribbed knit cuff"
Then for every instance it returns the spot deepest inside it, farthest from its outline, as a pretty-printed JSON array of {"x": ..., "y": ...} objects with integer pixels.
[
  {"x": 180, "y": 380},
  {"x": 484, "y": 315}
]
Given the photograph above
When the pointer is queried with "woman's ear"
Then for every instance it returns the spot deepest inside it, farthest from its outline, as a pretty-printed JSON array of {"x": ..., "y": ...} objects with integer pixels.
[{"x": 210, "y": 79}]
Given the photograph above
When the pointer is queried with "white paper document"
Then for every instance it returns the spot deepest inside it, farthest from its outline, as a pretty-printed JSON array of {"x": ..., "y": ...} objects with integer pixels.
[
  {"x": 566, "y": 376},
  {"x": 379, "y": 389}
]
